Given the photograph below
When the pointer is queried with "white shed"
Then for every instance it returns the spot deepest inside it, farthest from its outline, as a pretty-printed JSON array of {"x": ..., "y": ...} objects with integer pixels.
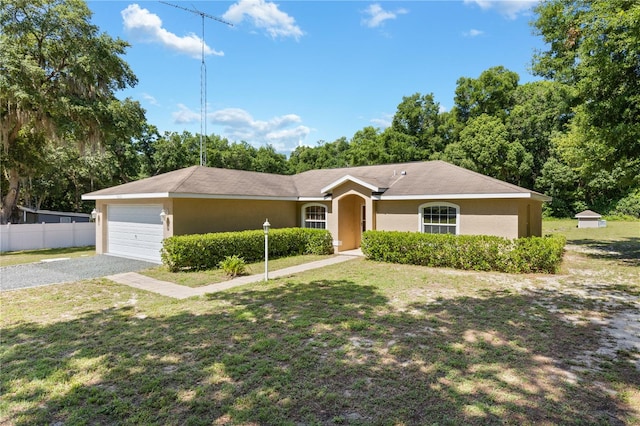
[{"x": 590, "y": 219}]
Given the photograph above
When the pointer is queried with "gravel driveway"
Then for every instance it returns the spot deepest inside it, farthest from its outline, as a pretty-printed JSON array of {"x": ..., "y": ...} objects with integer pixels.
[{"x": 60, "y": 271}]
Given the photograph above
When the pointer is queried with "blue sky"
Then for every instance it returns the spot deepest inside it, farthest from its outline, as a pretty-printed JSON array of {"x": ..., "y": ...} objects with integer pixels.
[{"x": 292, "y": 73}]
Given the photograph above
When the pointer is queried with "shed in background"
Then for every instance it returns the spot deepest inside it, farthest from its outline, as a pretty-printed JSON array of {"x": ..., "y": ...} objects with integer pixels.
[{"x": 590, "y": 219}]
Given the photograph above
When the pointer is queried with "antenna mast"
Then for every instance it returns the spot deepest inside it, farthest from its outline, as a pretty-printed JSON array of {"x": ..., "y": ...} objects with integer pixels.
[{"x": 203, "y": 80}]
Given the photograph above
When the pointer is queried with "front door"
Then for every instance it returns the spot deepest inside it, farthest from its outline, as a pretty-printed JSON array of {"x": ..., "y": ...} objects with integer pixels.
[{"x": 351, "y": 221}]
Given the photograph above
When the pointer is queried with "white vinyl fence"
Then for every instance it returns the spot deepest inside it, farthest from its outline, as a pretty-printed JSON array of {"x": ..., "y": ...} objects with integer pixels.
[{"x": 34, "y": 236}]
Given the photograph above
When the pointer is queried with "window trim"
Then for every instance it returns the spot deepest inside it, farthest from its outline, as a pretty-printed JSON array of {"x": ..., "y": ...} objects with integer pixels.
[
  {"x": 437, "y": 203},
  {"x": 303, "y": 215}
]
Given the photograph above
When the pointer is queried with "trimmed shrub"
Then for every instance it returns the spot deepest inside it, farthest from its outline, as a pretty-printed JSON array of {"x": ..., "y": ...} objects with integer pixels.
[
  {"x": 206, "y": 251},
  {"x": 470, "y": 252}
]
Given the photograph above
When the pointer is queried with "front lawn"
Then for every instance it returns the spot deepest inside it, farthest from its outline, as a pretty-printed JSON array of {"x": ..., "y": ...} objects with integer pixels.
[
  {"x": 30, "y": 256},
  {"x": 212, "y": 276},
  {"x": 356, "y": 343}
]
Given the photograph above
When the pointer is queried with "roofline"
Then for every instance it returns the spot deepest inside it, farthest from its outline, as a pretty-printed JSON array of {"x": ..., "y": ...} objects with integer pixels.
[
  {"x": 345, "y": 178},
  {"x": 523, "y": 195},
  {"x": 190, "y": 195},
  {"x": 519, "y": 195},
  {"x": 126, "y": 196}
]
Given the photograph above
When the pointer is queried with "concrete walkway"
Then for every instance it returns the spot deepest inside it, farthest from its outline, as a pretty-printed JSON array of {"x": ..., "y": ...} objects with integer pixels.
[{"x": 142, "y": 282}]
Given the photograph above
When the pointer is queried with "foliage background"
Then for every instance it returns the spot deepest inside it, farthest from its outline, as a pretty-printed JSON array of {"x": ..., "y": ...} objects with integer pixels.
[{"x": 573, "y": 135}]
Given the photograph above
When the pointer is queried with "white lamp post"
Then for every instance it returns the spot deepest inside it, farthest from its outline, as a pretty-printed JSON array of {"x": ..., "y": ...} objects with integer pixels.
[{"x": 266, "y": 225}]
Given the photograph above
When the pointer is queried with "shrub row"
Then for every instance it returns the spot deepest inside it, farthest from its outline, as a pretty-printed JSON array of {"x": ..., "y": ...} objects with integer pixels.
[
  {"x": 206, "y": 251},
  {"x": 471, "y": 252}
]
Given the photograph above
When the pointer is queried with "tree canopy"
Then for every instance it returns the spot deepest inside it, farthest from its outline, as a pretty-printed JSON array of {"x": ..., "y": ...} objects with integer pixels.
[
  {"x": 574, "y": 134},
  {"x": 58, "y": 76}
]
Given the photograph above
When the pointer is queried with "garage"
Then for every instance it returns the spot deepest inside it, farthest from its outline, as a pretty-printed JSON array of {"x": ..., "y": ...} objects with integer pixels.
[{"x": 135, "y": 231}]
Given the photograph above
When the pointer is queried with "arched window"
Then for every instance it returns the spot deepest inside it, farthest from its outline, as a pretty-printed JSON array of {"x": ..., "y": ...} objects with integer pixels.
[
  {"x": 439, "y": 218},
  {"x": 314, "y": 216}
]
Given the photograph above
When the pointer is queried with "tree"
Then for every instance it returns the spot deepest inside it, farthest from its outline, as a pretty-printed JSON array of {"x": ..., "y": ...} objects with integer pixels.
[
  {"x": 594, "y": 46},
  {"x": 541, "y": 110},
  {"x": 58, "y": 75},
  {"x": 492, "y": 93},
  {"x": 267, "y": 160},
  {"x": 485, "y": 147},
  {"x": 175, "y": 151},
  {"x": 418, "y": 116}
]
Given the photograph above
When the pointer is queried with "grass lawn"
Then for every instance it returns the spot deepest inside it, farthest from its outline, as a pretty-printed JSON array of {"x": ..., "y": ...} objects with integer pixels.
[
  {"x": 355, "y": 343},
  {"x": 30, "y": 256},
  {"x": 201, "y": 278}
]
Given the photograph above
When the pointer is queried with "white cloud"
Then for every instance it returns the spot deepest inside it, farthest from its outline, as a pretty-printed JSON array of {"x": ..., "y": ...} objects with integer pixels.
[
  {"x": 184, "y": 115},
  {"x": 147, "y": 27},
  {"x": 509, "y": 8},
  {"x": 266, "y": 16},
  {"x": 283, "y": 132},
  {"x": 473, "y": 33},
  {"x": 382, "y": 122},
  {"x": 375, "y": 15},
  {"x": 150, "y": 99}
]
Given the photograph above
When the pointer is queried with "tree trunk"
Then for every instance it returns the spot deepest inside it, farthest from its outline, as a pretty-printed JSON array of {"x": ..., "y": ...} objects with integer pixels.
[{"x": 10, "y": 201}]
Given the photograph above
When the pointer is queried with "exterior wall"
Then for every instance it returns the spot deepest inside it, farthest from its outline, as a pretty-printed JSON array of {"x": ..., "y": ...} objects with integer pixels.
[
  {"x": 52, "y": 218},
  {"x": 102, "y": 218},
  {"x": 588, "y": 223},
  {"x": 199, "y": 216},
  {"x": 530, "y": 218},
  {"x": 477, "y": 217}
]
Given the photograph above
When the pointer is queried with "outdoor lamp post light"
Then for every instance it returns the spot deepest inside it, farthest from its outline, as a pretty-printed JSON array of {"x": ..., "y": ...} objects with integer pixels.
[{"x": 266, "y": 225}]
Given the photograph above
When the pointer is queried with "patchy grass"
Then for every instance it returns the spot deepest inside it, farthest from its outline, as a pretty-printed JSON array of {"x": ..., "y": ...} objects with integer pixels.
[
  {"x": 30, "y": 256},
  {"x": 212, "y": 276},
  {"x": 355, "y": 343}
]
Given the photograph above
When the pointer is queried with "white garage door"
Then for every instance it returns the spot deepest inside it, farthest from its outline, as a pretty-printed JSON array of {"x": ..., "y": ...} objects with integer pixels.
[{"x": 135, "y": 231}]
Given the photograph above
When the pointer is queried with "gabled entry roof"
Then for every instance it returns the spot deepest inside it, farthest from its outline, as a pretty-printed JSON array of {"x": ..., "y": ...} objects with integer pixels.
[{"x": 416, "y": 180}]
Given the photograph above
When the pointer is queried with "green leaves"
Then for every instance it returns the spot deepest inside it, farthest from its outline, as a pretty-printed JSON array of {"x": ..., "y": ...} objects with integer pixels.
[
  {"x": 58, "y": 75},
  {"x": 207, "y": 251},
  {"x": 470, "y": 252}
]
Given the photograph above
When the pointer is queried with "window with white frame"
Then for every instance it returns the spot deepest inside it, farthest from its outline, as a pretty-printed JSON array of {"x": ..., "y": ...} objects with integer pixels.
[
  {"x": 314, "y": 216},
  {"x": 439, "y": 218}
]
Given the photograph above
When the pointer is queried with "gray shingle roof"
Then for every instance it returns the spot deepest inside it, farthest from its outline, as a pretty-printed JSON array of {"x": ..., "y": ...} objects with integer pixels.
[
  {"x": 588, "y": 214},
  {"x": 429, "y": 178}
]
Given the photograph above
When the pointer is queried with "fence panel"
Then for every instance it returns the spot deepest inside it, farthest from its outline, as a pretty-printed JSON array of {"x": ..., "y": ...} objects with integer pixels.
[{"x": 35, "y": 236}]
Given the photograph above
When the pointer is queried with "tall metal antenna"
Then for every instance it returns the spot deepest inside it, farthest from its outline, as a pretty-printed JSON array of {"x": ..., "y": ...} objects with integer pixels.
[{"x": 203, "y": 80}]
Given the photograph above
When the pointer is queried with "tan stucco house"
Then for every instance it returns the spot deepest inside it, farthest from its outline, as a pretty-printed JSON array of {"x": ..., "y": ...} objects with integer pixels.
[{"x": 433, "y": 196}]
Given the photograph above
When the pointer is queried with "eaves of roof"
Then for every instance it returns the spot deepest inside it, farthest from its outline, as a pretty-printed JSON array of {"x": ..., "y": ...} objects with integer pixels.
[{"x": 406, "y": 181}]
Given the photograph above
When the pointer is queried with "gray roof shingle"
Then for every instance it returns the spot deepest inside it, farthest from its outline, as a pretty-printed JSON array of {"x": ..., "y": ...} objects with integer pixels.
[{"x": 428, "y": 178}]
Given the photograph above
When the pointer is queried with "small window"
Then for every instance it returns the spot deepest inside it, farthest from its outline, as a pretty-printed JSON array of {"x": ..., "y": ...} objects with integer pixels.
[
  {"x": 314, "y": 216},
  {"x": 439, "y": 218}
]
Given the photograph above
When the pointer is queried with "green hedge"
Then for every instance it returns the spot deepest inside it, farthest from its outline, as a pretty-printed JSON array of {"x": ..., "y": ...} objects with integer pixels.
[
  {"x": 472, "y": 252},
  {"x": 206, "y": 251}
]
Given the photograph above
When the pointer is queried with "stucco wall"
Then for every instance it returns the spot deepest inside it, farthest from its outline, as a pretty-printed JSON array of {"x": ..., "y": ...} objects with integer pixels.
[
  {"x": 197, "y": 216},
  {"x": 477, "y": 217}
]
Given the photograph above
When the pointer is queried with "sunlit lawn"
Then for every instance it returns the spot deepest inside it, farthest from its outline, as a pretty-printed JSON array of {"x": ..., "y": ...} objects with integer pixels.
[
  {"x": 355, "y": 343},
  {"x": 30, "y": 256}
]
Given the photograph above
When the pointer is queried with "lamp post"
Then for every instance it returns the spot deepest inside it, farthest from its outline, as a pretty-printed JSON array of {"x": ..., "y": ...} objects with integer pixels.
[{"x": 266, "y": 225}]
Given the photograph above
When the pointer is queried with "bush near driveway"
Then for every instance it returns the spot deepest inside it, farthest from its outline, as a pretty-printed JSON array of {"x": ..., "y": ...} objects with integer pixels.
[
  {"x": 206, "y": 251},
  {"x": 471, "y": 252}
]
